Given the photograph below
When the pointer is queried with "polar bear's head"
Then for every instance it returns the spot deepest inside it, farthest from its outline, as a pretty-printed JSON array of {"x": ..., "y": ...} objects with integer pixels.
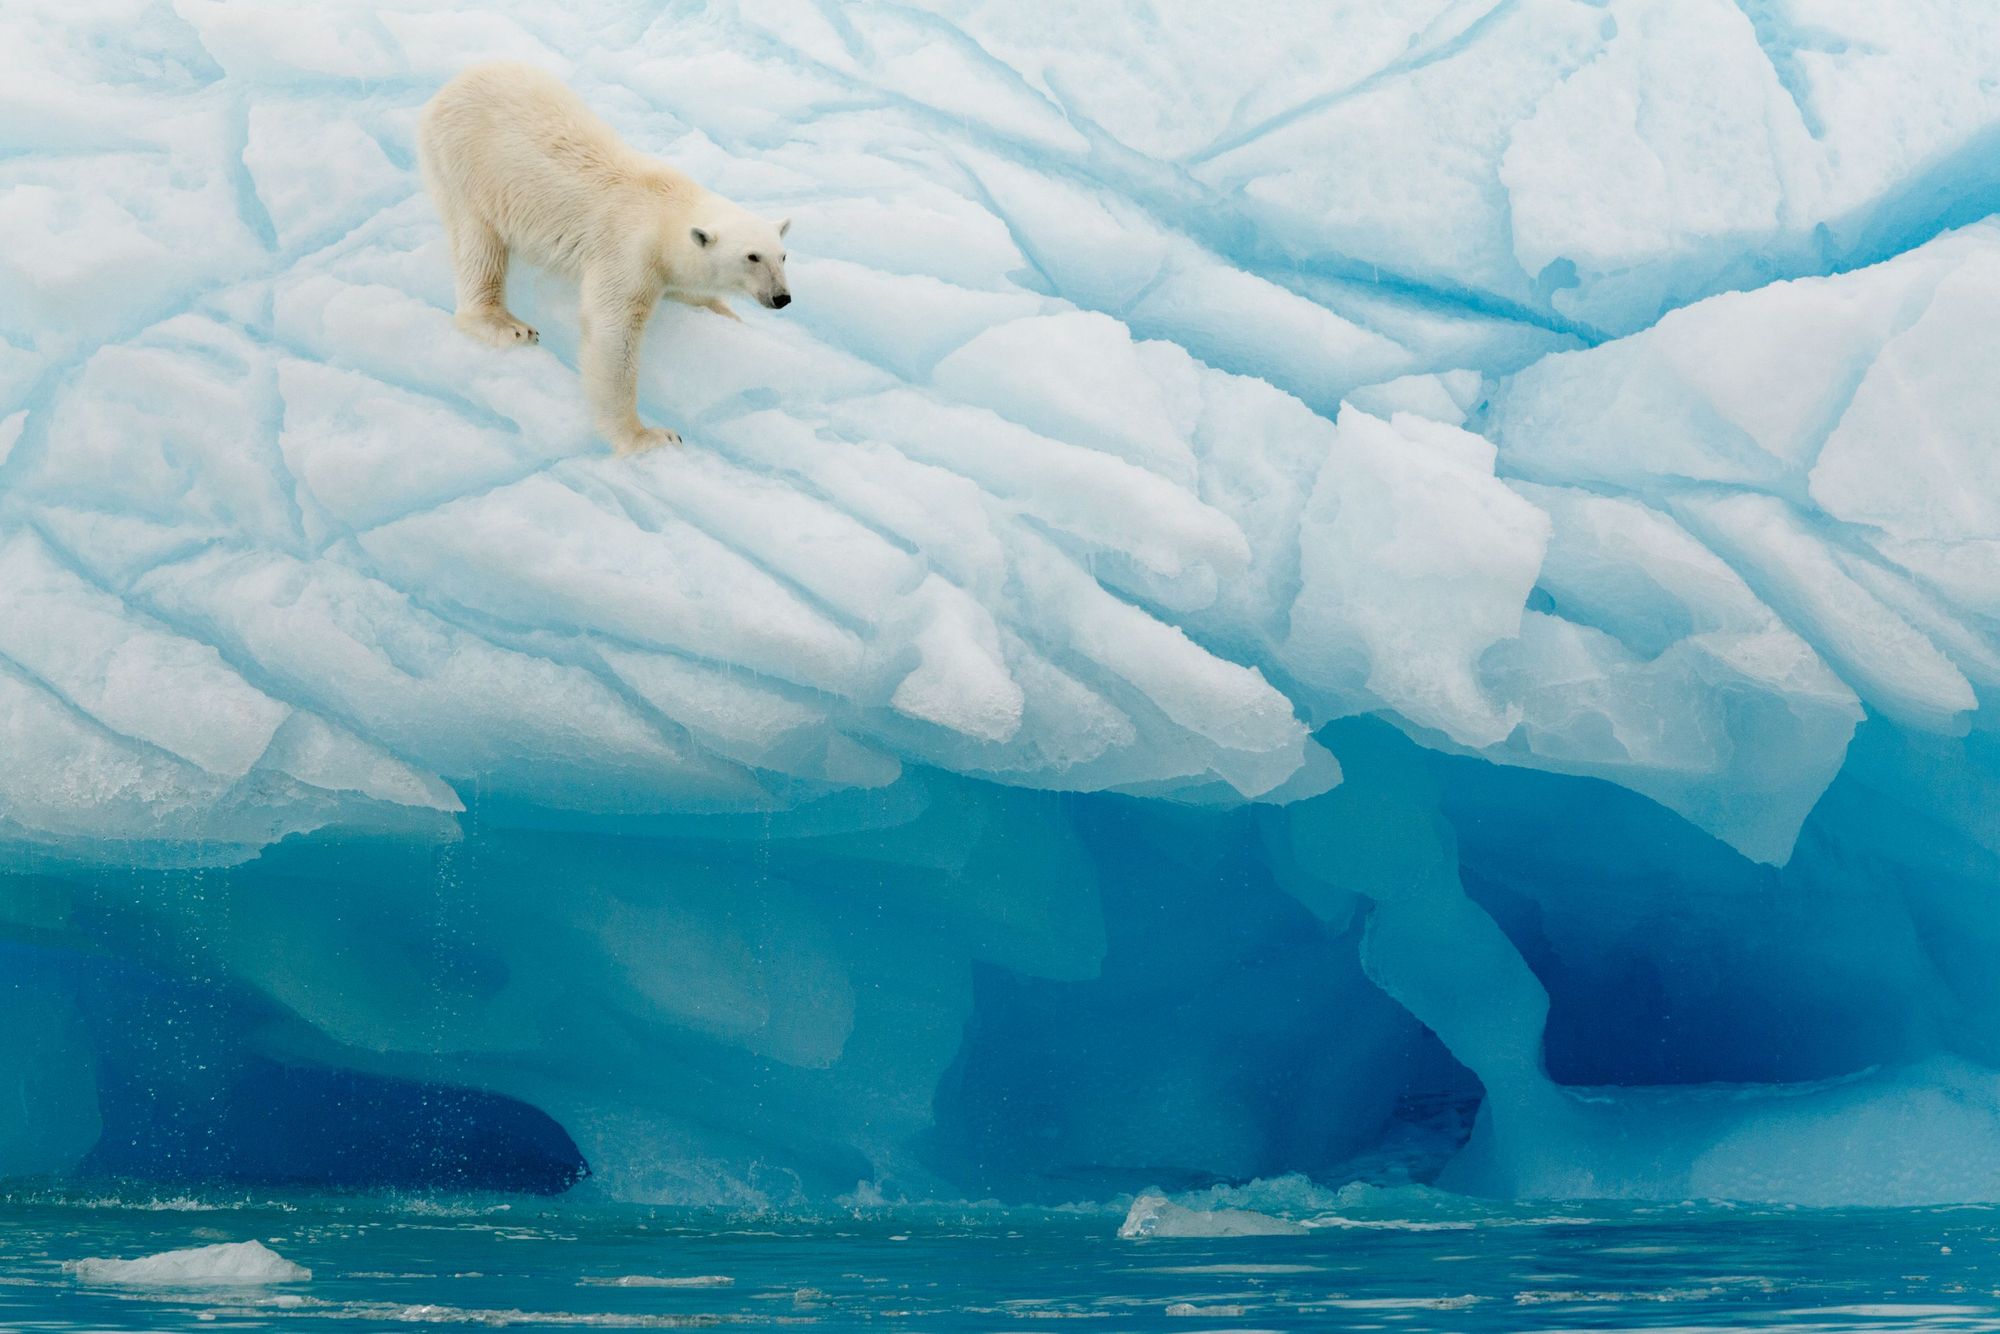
[{"x": 742, "y": 253}]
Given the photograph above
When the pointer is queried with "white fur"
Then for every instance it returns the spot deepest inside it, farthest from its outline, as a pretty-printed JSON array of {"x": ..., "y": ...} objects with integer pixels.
[{"x": 517, "y": 163}]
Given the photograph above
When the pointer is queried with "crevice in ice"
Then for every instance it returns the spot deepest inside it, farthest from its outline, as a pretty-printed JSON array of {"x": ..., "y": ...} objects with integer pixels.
[
  {"x": 90, "y": 721},
  {"x": 1959, "y": 188},
  {"x": 851, "y": 41},
  {"x": 1782, "y": 42},
  {"x": 648, "y": 519},
  {"x": 1180, "y": 206},
  {"x": 1015, "y": 233},
  {"x": 964, "y": 41},
  {"x": 249, "y": 205},
  {"x": 471, "y": 409},
  {"x": 803, "y": 479},
  {"x": 340, "y": 532},
  {"x": 1915, "y": 304},
  {"x": 1450, "y": 42},
  {"x": 243, "y": 663}
]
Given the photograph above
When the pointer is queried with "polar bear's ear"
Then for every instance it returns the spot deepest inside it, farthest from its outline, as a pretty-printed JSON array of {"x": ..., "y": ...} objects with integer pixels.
[
  {"x": 702, "y": 236},
  {"x": 784, "y": 226}
]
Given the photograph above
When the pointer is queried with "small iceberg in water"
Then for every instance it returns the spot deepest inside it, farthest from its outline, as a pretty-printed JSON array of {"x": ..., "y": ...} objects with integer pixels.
[
  {"x": 244, "y": 1262},
  {"x": 1157, "y": 1216}
]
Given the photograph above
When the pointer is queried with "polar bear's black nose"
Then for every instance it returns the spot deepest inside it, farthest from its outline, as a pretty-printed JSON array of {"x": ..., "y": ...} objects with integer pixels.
[{"x": 781, "y": 300}]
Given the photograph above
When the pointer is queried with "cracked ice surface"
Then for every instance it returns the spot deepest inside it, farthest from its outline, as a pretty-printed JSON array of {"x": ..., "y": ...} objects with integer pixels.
[{"x": 1594, "y": 388}]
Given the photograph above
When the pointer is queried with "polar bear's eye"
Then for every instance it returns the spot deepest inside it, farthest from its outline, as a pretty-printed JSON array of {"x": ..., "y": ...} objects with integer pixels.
[{"x": 751, "y": 258}]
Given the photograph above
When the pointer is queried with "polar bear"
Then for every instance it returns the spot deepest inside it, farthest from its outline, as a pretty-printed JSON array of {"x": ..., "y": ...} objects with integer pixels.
[{"x": 517, "y": 163}]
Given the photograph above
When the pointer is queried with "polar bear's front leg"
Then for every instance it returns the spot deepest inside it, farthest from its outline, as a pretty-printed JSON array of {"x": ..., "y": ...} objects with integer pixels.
[
  {"x": 716, "y": 304},
  {"x": 613, "y": 322}
]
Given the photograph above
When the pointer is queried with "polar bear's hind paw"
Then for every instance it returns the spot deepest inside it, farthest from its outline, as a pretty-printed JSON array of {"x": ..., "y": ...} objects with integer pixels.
[
  {"x": 498, "y": 328},
  {"x": 644, "y": 439}
]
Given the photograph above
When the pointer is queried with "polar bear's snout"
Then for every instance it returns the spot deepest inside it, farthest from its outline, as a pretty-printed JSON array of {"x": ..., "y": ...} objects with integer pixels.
[{"x": 767, "y": 274}]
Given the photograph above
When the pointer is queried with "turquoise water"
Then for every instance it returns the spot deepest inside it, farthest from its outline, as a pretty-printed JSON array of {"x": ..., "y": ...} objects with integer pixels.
[{"x": 381, "y": 1265}]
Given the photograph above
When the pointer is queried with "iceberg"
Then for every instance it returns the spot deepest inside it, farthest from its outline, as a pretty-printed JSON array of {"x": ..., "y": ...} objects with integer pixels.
[{"x": 1402, "y": 593}]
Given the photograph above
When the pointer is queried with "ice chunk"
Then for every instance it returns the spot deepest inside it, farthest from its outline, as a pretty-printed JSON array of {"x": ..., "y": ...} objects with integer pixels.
[
  {"x": 1442, "y": 398},
  {"x": 82, "y": 256},
  {"x": 959, "y": 681},
  {"x": 232, "y": 1262},
  {"x": 1415, "y": 561},
  {"x": 1616, "y": 167},
  {"x": 1157, "y": 1216},
  {"x": 1661, "y": 659},
  {"x": 751, "y": 722},
  {"x": 1261, "y": 742},
  {"x": 1889, "y": 663},
  {"x": 1911, "y": 455},
  {"x": 82, "y": 641},
  {"x": 402, "y": 340},
  {"x": 358, "y": 649},
  {"x": 538, "y": 552},
  {"x": 69, "y": 779},
  {"x": 315, "y": 751},
  {"x": 1400, "y": 172},
  {"x": 1175, "y": 548}
]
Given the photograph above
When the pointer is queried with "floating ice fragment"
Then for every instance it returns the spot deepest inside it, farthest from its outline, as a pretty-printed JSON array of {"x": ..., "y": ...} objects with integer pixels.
[
  {"x": 1157, "y": 1216},
  {"x": 235, "y": 1262}
]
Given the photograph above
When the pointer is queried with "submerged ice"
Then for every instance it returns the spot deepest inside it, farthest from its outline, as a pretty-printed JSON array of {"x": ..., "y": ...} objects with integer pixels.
[{"x": 1410, "y": 593}]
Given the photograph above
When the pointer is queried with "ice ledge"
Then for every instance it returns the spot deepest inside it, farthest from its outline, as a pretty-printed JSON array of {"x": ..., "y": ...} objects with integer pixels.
[
  {"x": 1649, "y": 568},
  {"x": 1049, "y": 482}
]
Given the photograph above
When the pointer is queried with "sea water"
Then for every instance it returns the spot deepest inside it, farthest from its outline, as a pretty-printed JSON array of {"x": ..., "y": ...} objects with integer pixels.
[{"x": 382, "y": 1264}]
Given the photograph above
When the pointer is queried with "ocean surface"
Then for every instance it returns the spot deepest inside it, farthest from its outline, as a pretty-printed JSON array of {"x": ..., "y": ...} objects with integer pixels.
[{"x": 382, "y": 1264}]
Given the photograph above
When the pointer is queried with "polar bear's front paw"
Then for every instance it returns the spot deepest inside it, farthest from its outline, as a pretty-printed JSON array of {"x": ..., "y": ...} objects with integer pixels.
[
  {"x": 643, "y": 439},
  {"x": 500, "y": 329}
]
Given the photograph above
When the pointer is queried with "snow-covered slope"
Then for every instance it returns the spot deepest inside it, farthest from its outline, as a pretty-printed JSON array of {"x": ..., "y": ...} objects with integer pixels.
[{"x": 1597, "y": 389}]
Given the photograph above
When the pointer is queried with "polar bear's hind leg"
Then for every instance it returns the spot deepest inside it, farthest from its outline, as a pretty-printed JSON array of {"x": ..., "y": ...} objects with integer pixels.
[{"x": 480, "y": 258}]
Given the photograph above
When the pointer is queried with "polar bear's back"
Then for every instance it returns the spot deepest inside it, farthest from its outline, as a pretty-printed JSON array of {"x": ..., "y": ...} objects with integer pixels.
[{"x": 518, "y": 151}]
